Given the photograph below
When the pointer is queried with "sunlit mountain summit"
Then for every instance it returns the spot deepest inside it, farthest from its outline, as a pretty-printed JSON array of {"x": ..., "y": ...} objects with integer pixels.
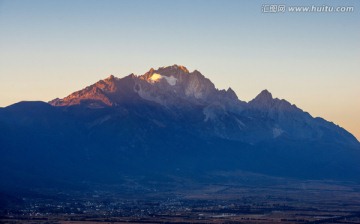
[
  {"x": 164, "y": 86},
  {"x": 175, "y": 89}
]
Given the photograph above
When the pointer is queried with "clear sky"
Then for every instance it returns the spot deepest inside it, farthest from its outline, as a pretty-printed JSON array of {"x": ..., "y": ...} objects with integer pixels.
[{"x": 50, "y": 48}]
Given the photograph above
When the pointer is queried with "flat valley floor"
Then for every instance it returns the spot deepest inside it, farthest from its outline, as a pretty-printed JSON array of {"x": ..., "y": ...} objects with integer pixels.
[{"x": 253, "y": 199}]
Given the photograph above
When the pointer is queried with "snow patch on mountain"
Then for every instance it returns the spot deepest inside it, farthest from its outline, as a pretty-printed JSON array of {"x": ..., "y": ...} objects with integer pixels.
[
  {"x": 171, "y": 80},
  {"x": 157, "y": 77}
]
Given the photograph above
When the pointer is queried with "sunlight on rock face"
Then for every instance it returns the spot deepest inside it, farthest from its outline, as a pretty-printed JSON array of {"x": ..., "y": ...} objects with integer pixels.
[{"x": 156, "y": 77}]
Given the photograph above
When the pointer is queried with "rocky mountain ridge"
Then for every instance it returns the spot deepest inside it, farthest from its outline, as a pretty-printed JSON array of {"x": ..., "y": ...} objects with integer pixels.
[{"x": 175, "y": 88}]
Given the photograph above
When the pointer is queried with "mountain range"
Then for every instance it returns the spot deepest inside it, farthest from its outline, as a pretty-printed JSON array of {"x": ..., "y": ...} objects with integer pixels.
[
  {"x": 219, "y": 113},
  {"x": 167, "y": 122}
]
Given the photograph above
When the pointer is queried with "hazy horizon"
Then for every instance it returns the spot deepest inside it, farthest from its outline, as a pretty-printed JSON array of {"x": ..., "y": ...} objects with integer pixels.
[{"x": 50, "y": 49}]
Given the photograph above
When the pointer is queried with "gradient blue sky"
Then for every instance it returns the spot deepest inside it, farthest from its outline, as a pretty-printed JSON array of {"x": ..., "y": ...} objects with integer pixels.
[{"x": 49, "y": 49}]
